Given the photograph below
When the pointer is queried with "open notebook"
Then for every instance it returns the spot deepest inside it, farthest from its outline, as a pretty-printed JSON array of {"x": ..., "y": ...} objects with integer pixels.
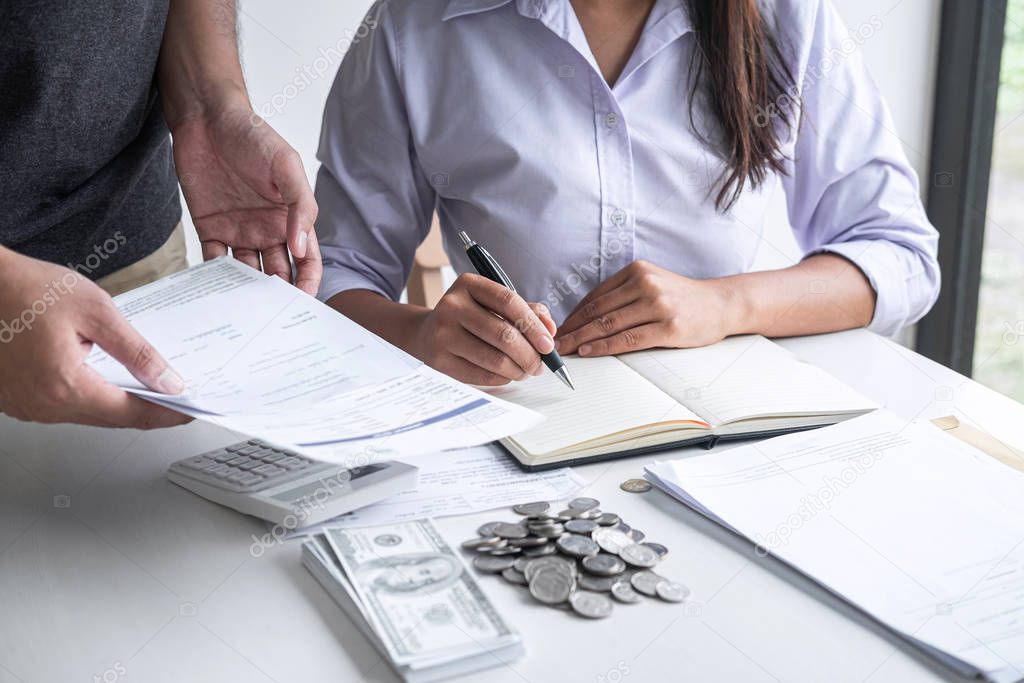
[{"x": 653, "y": 400}]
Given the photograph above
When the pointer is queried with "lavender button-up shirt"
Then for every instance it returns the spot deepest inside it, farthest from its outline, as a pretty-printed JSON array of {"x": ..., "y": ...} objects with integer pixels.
[{"x": 494, "y": 113}]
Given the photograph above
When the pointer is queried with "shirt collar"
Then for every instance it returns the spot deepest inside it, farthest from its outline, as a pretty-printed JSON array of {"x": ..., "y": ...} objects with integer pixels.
[
  {"x": 672, "y": 12},
  {"x": 459, "y": 8},
  {"x": 669, "y": 19}
]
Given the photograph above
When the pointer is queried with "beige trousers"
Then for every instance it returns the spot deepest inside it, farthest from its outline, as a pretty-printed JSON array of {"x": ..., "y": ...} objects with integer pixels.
[{"x": 168, "y": 259}]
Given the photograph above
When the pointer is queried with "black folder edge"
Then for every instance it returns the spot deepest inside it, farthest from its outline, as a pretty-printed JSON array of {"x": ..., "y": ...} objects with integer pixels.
[{"x": 708, "y": 442}]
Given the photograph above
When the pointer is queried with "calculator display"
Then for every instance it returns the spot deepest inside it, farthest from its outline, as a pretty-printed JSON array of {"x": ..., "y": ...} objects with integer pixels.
[{"x": 328, "y": 483}]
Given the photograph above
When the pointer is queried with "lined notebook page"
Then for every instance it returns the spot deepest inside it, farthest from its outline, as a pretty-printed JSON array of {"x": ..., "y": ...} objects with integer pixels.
[
  {"x": 609, "y": 398},
  {"x": 745, "y": 377}
]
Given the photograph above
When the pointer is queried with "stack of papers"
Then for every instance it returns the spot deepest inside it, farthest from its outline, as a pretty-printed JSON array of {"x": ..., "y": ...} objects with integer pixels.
[
  {"x": 262, "y": 358},
  {"x": 916, "y": 528},
  {"x": 413, "y": 598}
]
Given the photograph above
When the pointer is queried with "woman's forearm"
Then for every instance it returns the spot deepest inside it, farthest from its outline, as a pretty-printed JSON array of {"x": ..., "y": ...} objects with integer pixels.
[
  {"x": 397, "y": 323},
  {"x": 824, "y": 293}
]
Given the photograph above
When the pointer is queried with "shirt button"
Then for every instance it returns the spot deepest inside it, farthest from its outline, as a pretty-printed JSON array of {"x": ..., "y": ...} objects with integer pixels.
[
  {"x": 611, "y": 120},
  {"x": 618, "y": 217}
]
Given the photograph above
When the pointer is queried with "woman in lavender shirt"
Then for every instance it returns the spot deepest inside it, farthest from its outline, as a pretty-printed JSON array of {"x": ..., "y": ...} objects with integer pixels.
[{"x": 618, "y": 158}]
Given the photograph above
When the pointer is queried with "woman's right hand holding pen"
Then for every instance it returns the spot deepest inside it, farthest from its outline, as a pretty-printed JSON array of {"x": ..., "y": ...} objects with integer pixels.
[
  {"x": 480, "y": 332},
  {"x": 483, "y": 333}
]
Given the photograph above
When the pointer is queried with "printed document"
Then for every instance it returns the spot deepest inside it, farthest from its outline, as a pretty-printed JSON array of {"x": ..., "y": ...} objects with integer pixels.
[
  {"x": 917, "y": 528},
  {"x": 461, "y": 482},
  {"x": 260, "y": 357}
]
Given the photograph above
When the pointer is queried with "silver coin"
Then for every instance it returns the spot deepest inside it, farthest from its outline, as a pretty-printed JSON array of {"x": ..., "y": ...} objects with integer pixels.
[
  {"x": 542, "y": 518},
  {"x": 611, "y": 540},
  {"x": 580, "y": 526},
  {"x": 507, "y": 550},
  {"x": 657, "y": 547},
  {"x": 592, "y": 513},
  {"x": 623, "y": 591},
  {"x": 556, "y": 561},
  {"x": 635, "y": 486},
  {"x": 520, "y": 563},
  {"x": 601, "y": 584},
  {"x": 541, "y": 550},
  {"x": 506, "y": 530},
  {"x": 583, "y": 504},
  {"x": 577, "y": 546},
  {"x": 491, "y": 564},
  {"x": 670, "y": 591},
  {"x": 636, "y": 535},
  {"x": 528, "y": 542},
  {"x": 531, "y": 508},
  {"x": 488, "y": 543},
  {"x": 551, "y": 585},
  {"x": 488, "y": 529},
  {"x": 639, "y": 555},
  {"x": 591, "y": 605},
  {"x": 608, "y": 519},
  {"x": 547, "y": 530},
  {"x": 646, "y": 583},
  {"x": 603, "y": 564},
  {"x": 512, "y": 575}
]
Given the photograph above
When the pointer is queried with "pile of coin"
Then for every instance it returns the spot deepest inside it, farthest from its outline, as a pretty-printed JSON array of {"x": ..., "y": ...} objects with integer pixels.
[{"x": 577, "y": 557}]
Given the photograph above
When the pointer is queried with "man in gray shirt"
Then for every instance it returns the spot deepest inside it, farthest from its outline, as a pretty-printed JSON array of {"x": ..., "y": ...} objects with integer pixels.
[{"x": 90, "y": 93}]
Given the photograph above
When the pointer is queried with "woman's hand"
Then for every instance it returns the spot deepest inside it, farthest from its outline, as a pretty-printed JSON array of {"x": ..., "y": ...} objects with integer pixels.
[
  {"x": 644, "y": 306},
  {"x": 483, "y": 333}
]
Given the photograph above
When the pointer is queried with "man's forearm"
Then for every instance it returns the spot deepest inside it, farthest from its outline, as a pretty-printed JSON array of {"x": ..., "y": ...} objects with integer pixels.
[{"x": 199, "y": 69}]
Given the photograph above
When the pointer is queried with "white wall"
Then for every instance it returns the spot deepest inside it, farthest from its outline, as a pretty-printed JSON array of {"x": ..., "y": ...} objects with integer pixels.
[
  {"x": 285, "y": 45},
  {"x": 901, "y": 55}
]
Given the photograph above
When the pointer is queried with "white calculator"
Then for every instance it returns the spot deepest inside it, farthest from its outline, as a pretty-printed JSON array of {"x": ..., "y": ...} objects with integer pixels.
[{"x": 284, "y": 487}]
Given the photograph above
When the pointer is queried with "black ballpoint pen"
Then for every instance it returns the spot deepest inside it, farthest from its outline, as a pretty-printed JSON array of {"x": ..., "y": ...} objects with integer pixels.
[{"x": 486, "y": 265}]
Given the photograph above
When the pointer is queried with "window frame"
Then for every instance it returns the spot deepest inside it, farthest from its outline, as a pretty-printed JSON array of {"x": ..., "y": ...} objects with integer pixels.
[{"x": 967, "y": 88}]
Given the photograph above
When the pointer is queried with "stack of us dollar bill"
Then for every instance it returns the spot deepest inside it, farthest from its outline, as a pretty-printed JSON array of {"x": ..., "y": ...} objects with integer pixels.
[{"x": 413, "y": 598}]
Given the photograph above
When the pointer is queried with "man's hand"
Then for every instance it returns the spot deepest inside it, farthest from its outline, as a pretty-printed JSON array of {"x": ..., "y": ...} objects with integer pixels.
[
  {"x": 49, "y": 319},
  {"x": 483, "y": 333},
  {"x": 644, "y": 306},
  {"x": 246, "y": 189}
]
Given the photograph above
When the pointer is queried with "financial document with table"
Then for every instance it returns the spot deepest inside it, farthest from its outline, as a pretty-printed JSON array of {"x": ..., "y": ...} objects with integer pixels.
[{"x": 261, "y": 358}]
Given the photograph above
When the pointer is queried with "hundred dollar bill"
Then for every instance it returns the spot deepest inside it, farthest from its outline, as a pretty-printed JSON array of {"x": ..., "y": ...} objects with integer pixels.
[{"x": 416, "y": 592}]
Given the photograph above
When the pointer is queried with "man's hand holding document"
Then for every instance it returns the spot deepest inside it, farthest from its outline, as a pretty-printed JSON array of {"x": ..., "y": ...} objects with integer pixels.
[{"x": 262, "y": 358}]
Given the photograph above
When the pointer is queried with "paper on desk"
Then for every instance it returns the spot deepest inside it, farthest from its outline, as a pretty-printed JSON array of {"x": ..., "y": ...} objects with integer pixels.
[
  {"x": 260, "y": 357},
  {"x": 915, "y": 527},
  {"x": 461, "y": 482}
]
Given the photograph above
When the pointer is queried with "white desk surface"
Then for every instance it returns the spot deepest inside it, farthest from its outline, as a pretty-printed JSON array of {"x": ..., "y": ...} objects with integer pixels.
[{"x": 135, "y": 579}]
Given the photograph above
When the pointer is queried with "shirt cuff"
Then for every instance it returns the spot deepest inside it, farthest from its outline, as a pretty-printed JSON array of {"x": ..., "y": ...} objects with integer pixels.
[
  {"x": 338, "y": 279},
  {"x": 882, "y": 266}
]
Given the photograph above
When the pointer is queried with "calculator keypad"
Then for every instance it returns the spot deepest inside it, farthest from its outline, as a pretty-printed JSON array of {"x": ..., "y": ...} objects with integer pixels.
[{"x": 246, "y": 466}]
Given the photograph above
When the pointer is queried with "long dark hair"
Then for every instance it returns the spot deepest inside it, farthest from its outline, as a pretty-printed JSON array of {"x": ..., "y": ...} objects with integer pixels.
[{"x": 740, "y": 67}]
